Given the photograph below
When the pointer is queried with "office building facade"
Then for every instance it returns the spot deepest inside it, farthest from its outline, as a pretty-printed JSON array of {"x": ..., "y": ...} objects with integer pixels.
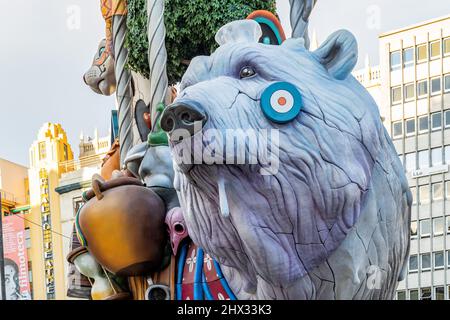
[{"x": 415, "y": 107}]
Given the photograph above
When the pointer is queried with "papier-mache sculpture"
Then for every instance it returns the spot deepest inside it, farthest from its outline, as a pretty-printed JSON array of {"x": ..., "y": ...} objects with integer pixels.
[
  {"x": 333, "y": 221},
  {"x": 272, "y": 170}
]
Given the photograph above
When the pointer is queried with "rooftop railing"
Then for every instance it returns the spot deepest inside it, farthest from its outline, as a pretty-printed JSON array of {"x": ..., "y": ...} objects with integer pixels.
[
  {"x": 8, "y": 197},
  {"x": 84, "y": 162}
]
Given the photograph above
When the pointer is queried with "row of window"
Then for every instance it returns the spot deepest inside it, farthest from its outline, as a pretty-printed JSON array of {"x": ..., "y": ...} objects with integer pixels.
[
  {"x": 425, "y": 293},
  {"x": 420, "y": 89},
  {"x": 410, "y": 127},
  {"x": 426, "y": 158},
  {"x": 434, "y": 226},
  {"x": 437, "y": 193},
  {"x": 426, "y": 261},
  {"x": 420, "y": 53}
]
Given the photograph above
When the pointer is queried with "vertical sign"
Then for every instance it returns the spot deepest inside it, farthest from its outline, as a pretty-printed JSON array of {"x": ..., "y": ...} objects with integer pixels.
[
  {"x": 47, "y": 235},
  {"x": 2, "y": 266},
  {"x": 17, "y": 284}
]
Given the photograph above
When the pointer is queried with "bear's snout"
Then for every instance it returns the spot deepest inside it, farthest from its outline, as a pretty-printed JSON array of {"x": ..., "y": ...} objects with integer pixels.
[{"x": 183, "y": 116}]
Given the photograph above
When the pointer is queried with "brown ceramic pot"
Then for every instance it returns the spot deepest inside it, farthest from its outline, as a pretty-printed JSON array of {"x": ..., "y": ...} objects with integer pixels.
[{"x": 123, "y": 226}]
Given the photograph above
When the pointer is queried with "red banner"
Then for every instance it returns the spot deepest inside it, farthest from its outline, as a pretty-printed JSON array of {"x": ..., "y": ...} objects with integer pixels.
[{"x": 17, "y": 284}]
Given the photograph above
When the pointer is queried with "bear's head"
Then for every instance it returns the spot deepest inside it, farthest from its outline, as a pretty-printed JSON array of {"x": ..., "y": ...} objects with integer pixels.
[{"x": 282, "y": 215}]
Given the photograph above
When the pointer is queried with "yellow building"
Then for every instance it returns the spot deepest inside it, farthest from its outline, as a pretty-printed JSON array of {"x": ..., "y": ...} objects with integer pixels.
[
  {"x": 46, "y": 154},
  {"x": 14, "y": 197}
]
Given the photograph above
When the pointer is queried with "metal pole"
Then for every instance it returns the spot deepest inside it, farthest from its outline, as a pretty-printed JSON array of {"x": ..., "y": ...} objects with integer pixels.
[{"x": 2, "y": 261}]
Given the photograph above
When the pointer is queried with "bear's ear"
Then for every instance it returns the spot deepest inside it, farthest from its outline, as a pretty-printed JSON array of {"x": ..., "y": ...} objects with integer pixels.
[{"x": 339, "y": 54}]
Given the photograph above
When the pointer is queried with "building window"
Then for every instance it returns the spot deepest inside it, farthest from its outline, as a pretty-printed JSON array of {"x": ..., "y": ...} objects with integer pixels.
[
  {"x": 408, "y": 57},
  {"x": 27, "y": 238},
  {"x": 447, "y": 154},
  {"x": 436, "y": 121},
  {"x": 396, "y": 60},
  {"x": 409, "y": 92},
  {"x": 413, "y": 229},
  {"x": 401, "y": 295},
  {"x": 397, "y": 129},
  {"x": 424, "y": 159},
  {"x": 436, "y": 86},
  {"x": 413, "y": 294},
  {"x": 446, "y": 47},
  {"x": 423, "y": 124},
  {"x": 410, "y": 162},
  {"x": 422, "y": 53},
  {"x": 413, "y": 264},
  {"x": 414, "y": 194},
  {"x": 66, "y": 153},
  {"x": 422, "y": 88},
  {"x": 447, "y": 119},
  {"x": 425, "y": 228},
  {"x": 437, "y": 191},
  {"x": 424, "y": 194},
  {"x": 425, "y": 261},
  {"x": 448, "y": 228},
  {"x": 42, "y": 151},
  {"x": 76, "y": 203},
  {"x": 425, "y": 293},
  {"x": 447, "y": 83},
  {"x": 396, "y": 95},
  {"x": 435, "y": 49},
  {"x": 439, "y": 293},
  {"x": 436, "y": 156},
  {"x": 447, "y": 189},
  {"x": 438, "y": 260},
  {"x": 410, "y": 127},
  {"x": 438, "y": 226}
]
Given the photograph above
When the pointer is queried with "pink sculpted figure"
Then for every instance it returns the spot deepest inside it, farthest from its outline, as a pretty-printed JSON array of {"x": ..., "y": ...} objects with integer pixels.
[{"x": 176, "y": 227}]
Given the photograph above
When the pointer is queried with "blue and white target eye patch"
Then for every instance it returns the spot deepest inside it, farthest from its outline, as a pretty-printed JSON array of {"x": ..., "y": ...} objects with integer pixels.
[{"x": 281, "y": 102}]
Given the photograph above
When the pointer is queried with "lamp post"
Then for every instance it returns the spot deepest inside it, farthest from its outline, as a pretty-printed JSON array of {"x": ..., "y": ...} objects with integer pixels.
[{"x": 2, "y": 261}]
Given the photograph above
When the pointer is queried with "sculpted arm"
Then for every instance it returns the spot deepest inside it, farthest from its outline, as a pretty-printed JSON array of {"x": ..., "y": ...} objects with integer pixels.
[{"x": 300, "y": 13}]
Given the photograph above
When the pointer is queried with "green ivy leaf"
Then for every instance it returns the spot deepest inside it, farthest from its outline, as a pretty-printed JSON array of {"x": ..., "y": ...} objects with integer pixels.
[{"x": 191, "y": 26}]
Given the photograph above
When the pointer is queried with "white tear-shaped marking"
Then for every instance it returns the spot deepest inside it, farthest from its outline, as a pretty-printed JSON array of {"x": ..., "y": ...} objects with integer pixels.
[{"x": 223, "y": 200}]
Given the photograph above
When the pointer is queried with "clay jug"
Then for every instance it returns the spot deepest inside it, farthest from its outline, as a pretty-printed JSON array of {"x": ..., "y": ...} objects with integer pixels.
[{"x": 122, "y": 225}]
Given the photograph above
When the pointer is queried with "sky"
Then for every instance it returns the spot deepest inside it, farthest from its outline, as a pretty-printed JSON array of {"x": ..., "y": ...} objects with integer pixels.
[{"x": 47, "y": 45}]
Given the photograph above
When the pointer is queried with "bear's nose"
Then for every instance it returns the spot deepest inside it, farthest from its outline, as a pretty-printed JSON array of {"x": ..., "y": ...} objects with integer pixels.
[{"x": 182, "y": 115}]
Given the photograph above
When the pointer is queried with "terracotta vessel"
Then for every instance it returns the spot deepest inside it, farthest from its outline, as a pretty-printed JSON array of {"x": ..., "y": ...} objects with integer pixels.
[{"x": 122, "y": 225}]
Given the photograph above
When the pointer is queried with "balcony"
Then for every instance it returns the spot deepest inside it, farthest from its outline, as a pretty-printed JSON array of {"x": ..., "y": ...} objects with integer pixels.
[{"x": 8, "y": 198}]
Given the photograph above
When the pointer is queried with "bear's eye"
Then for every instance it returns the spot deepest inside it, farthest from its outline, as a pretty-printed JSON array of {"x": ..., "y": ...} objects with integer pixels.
[{"x": 247, "y": 72}]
